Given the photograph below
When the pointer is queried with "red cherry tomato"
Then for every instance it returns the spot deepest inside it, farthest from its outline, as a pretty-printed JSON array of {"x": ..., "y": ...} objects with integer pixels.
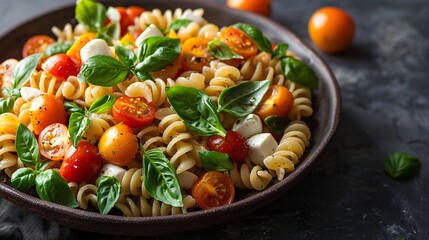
[
  {"x": 213, "y": 189},
  {"x": 54, "y": 141},
  {"x": 238, "y": 41},
  {"x": 232, "y": 144},
  {"x": 82, "y": 163},
  {"x": 134, "y": 12},
  {"x": 45, "y": 110},
  {"x": 36, "y": 44},
  {"x": 61, "y": 66},
  {"x": 133, "y": 111},
  {"x": 125, "y": 20}
]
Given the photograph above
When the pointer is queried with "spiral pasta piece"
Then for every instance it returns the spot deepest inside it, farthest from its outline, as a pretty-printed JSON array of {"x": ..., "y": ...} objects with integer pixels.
[
  {"x": 86, "y": 195},
  {"x": 189, "y": 79},
  {"x": 301, "y": 103},
  {"x": 246, "y": 176},
  {"x": 132, "y": 184},
  {"x": 21, "y": 109},
  {"x": 94, "y": 92},
  {"x": 99, "y": 123},
  {"x": 209, "y": 31},
  {"x": 224, "y": 76},
  {"x": 46, "y": 83},
  {"x": 8, "y": 126},
  {"x": 74, "y": 90},
  {"x": 162, "y": 20},
  {"x": 68, "y": 33},
  {"x": 152, "y": 91}
]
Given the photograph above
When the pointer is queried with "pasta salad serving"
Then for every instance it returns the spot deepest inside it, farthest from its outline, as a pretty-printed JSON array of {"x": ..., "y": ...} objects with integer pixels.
[{"x": 140, "y": 112}]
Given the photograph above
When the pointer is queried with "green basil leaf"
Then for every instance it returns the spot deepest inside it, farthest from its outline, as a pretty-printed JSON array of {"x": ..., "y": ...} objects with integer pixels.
[
  {"x": 103, "y": 70},
  {"x": 215, "y": 161},
  {"x": 277, "y": 124},
  {"x": 160, "y": 179},
  {"x": 102, "y": 104},
  {"x": 242, "y": 99},
  {"x": 221, "y": 51},
  {"x": 401, "y": 165},
  {"x": 256, "y": 35},
  {"x": 156, "y": 53},
  {"x": 143, "y": 75},
  {"x": 26, "y": 146},
  {"x": 58, "y": 48},
  {"x": 110, "y": 33},
  {"x": 78, "y": 123},
  {"x": 280, "y": 51},
  {"x": 42, "y": 165},
  {"x": 50, "y": 186},
  {"x": 23, "y": 178},
  {"x": 107, "y": 193},
  {"x": 73, "y": 107},
  {"x": 91, "y": 14},
  {"x": 23, "y": 70},
  {"x": 126, "y": 56},
  {"x": 6, "y": 104},
  {"x": 197, "y": 110},
  {"x": 177, "y": 24},
  {"x": 298, "y": 72}
]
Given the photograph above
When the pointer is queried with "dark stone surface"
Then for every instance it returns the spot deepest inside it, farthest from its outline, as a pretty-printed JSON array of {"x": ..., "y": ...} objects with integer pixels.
[{"x": 384, "y": 81}]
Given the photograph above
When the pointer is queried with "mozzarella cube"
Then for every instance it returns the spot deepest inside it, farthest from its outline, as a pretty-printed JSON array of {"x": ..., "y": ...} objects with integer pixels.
[
  {"x": 248, "y": 126},
  {"x": 151, "y": 31},
  {"x": 112, "y": 170},
  {"x": 93, "y": 48},
  {"x": 193, "y": 17},
  {"x": 28, "y": 93},
  {"x": 261, "y": 146}
]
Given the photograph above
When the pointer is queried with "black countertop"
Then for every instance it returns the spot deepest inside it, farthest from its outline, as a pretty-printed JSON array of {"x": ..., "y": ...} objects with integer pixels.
[{"x": 384, "y": 80}]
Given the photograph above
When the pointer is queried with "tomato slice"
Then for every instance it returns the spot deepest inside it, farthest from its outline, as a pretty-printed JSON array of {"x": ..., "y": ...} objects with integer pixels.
[
  {"x": 239, "y": 42},
  {"x": 278, "y": 101},
  {"x": 45, "y": 110},
  {"x": 61, "y": 66},
  {"x": 133, "y": 111},
  {"x": 213, "y": 189},
  {"x": 54, "y": 141},
  {"x": 232, "y": 144},
  {"x": 195, "y": 54},
  {"x": 36, "y": 44}
]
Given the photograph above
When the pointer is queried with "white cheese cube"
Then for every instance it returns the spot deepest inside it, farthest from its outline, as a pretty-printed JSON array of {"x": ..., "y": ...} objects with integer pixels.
[
  {"x": 93, "y": 48},
  {"x": 29, "y": 93},
  {"x": 112, "y": 170},
  {"x": 261, "y": 146},
  {"x": 248, "y": 126},
  {"x": 151, "y": 31}
]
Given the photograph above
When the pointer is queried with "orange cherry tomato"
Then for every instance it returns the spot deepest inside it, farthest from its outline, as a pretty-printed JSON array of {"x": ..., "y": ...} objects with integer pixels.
[
  {"x": 171, "y": 71},
  {"x": 133, "y": 111},
  {"x": 118, "y": 145},
  {"x": 54, "y": 141},
  {"x": 278, "y": 101},
  {"x": 134, "y": 12},
  {"x": 74, "y": 50},
  {"x": 46, "y": 110},
  {"x": 238, "y": 41},
  {"x": 36, "y": 44},
  {"x": 262, "y": 7},
  {"x": 331, "y": 29},
  {"x": 61, "y": 66},
  {"x": 195, "y": 54},
  {"x": 6, "y": 71},
  {"x": 213, "y": 189}
]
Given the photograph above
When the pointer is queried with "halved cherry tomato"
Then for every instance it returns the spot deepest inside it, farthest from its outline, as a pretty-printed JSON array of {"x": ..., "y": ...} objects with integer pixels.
[
  {"x": 232, "y": 144},
  {"x": 36, "y": 44},
  {"x": 82, "y": 163},
  {"x": 171, "y": 71},
  {"x": 74, "y": 51},
  {"x": 61, "y": 66},
  {"x": 54, "y": 141},
  {"x": 238, "y": 41},
  {"x": 118, "y": 145},
  {"x": 278, "y": 101},
  {"x": 195, "y": 54},
  {"x": 133, "y": 111},
  {"x": 6, "y": 70},
  {"x": 134, "y": 12},
  {"x": 262, "y": 7},
  {"x": 45, "y": 110},
  {"x": 213, "y": 189}
]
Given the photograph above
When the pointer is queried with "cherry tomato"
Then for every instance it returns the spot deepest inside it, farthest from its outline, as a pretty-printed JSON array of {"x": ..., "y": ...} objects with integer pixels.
[
  {"x": 36, "y": 44},
  {"x": 213, "y": 189},
  {"x": 118, "y": 145},
  {"x": 331, "y": 29},
  {"x": 232, "y": 144},
  {"x": 6, "y": 70},
  {"x": 278, "y": 101},
  {"x": 54, "y": 141},
  {"x": 61, "y": 66},
  {"x": 195, "y": 54},
  {"x": 133, "y": 111},
  {"x": 45, "y": 110},
  {"x": 262, "y": 7},
  {"x": 171, "y": 71},
  {"x": 134, "y": 12},
  {"x": 238, "y": 41},
  {"x": 125, "y": 20},
  {"x": 81, "y": 164},
  {"x": 74, "y": 51}
]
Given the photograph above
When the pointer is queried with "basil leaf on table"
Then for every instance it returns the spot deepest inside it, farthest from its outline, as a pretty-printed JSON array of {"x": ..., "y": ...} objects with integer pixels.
[
  {"x": 222, "y": 51},
  {"x": 242, "y": 99},
  {"x": 23, "y": 178},
  {"x": 91, "y": 14},
  {"x": 160, "y": 179},
  {"x": 298, "y": 72},
  {"x": 177, "y": 24},
  {"x": 23, "y": 70},
  {"x": 26, "y": 146},
  {"x": 6, "y": 104},
  {"x": 50, "y": 186},
  {"x": 215, "y": 161},
  {"x": 256, "y": 35},
  {"x": 73, "y": 107},
  {"x": 196, "y": 109},
  {"x": 401, "y": 165},
  {"x": 57, "y": 48},
  {"x": 103, "y": 70},
  {"x": 277, "y": 124},
  {"x": 78, "y": 123},
  {"x": 125, "y": 55},
  {"x": 102, "y": 104},
  {"x": 280, "y": 51},
  {"x": 107, "y": 193}
]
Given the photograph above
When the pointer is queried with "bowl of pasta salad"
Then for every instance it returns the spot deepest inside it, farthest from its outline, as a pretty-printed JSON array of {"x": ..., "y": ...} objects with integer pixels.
[{"x": 152, "y": 118}]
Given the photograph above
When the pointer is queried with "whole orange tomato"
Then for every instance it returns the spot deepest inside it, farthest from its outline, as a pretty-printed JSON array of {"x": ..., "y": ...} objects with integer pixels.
[
  {"x": 262, "y": 7},
  {"x": 331, "y": 29}
]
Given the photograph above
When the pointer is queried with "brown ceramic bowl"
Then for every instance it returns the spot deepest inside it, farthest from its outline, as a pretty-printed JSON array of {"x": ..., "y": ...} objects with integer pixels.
[{"x": 323, "y": 124}]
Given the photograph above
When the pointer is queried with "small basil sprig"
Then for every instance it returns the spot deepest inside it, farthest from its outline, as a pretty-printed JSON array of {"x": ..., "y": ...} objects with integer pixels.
[
  {"x": 196, "y": 109},
  {"x": 221, "y": 51},
  {"x": 277, "y": 124},
  {"x": 26, "y": 146},
  {"x": 103, "y": 71},
  {"x": 299, "y": 72},
  {"x": 177, "y": 24},
  {"x": 91, "y": 14},
  {"x": 264, "y": 44},
  {"x": 280, "y": 51},
  {"x": 50, "y": 186},
  {"x": 107, "y": 193},
  {"x": 215, "y": 161},
  {"x": 242, "y": 99},
  {"x": 401, "y": 165},
  {"x": 57, "y": 48},
  {"x": 160, "y": 179}
]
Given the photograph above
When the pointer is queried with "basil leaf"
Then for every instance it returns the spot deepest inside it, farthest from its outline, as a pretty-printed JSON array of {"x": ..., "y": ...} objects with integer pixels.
[
  {"x": 144, "y": 76},
  {"x": 78, "y": 123},
  {"x": 280, "y": 51},
  {"x": 256, "y": 35},
  {"x": 42, "y": 165},
  {"x": 73, "y": 107},
  {"x": 107, "y": 193},
  {"x": 401, "y": 165},
  {"x": 126, "y": 56},
  {"x": 50, "y": 186},
  {"x": 277, "y": 124},
  {"x": 156, "y": 53},
  {"x": 103, "y": 70},
  {"x": 197, "y": 110},
  {"x": 109, "y": 33},
  {"x": 6, "y": 104},
  {"x": 23, "y": 70},
  {"x": 160, "y": 179},
  {"x": 177, "y": 24},
  {"x": 23, "y": 178},
  {"x": 242, "y": 99},
  {"x": 57, "y": 48},
  {"x": 298, "y": 72},
  {"x": 102, "y": 104},
  {"x": 215, "y": 161},
  {"x": 221, "y": 51},
  {"x": 26, "y": 146},
  {"x": 91, "y": 14}
]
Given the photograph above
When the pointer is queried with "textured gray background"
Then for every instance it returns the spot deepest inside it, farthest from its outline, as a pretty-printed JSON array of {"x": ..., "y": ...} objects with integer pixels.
[{"x": 384, "y": 80}]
